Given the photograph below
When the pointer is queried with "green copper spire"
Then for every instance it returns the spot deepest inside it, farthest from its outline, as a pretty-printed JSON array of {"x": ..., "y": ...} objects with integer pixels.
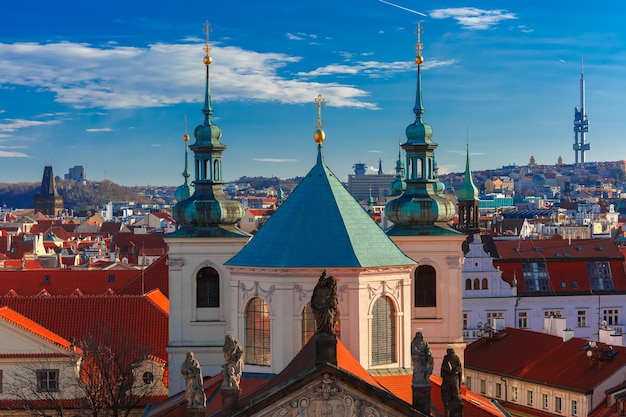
[
  {"x": 422, "y": 209},
  {"x": 468, "y": 190},
  {"x": 186, "y": 190},
  {"x": 320, "y": 225},
  {"x": 208, "y": 212},
  {"x": 399, "y": 184}
]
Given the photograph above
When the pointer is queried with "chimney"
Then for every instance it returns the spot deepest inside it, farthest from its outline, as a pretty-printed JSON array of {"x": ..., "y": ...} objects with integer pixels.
[{"x": 567, "y": 335}]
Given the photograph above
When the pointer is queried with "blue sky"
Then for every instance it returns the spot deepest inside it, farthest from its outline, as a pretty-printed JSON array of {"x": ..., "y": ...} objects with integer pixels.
[{"x": 106, "y": 85}]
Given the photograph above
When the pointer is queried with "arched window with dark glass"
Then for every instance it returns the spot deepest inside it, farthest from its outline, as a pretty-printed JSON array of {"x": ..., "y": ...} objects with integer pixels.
[
  {"x": 425, "y": 285},
  {"x": 383, "y": 332},
  {"x": 485, "y": 284},
  {"x": 257, "y": 333},
  {"x": 207, "y": 288},
  {"x": 308, "y": 323},
  {"x": 476, "y": 284},
  {"x": 468, "y": 284}
]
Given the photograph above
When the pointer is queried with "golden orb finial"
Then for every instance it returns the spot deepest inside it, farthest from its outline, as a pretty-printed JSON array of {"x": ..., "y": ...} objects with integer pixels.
[
  {"x": 207, "y": 46},
  {"x": 319, "y": 134},
  {"x": 419, "y": 59},
  {"x": 186, "y": 135}
]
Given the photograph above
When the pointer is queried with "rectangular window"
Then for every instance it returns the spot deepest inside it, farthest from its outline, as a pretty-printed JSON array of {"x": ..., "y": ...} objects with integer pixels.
[
  {"x": 514, "y": 394},
  {"x": 47, "y": 380},
  {"x": 522, "y": 320},
  {"x": 483, "y": 386},
  {"x": 465, "y": 321},
  {"x": 582, "y": 318},
  {"x": 468, "y": 382},
  {"x": 529, "y": 397},
  {"x": 535, "y": 276},
  {"x": 574, "y": 407},
  {"x": 544, "y": 400},
  {"x": 552, "y": 313},
  {"x": 611, "y": 316},
  {"x": 557, "y": 404},
  {"x": 498, "y": 390},
  {"x": 600, "y": 276}
]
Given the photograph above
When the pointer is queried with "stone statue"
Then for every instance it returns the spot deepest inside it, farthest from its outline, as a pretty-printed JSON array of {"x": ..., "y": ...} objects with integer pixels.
[
  {"x": 423, "y": 362},
  {"x": 233, "y": 366},
  {"x": 324, "y": 304},
  {"x": 193, "y": 382},
  {"x": 451, "y": 370}
]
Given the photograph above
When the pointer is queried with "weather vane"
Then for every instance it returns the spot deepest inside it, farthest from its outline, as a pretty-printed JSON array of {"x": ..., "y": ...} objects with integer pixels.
[
  {"x": 419, "y": 59},
  {"x": 320, "y": 102},
  {"x": 319, "y": 134},
  {"x": 206, "y": 30}
]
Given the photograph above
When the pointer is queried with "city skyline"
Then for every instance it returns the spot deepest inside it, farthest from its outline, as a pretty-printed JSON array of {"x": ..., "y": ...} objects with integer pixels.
[{"x": 108, "y": 87}]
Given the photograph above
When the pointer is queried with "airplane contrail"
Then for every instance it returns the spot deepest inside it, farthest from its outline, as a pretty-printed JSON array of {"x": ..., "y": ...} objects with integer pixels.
[{"x": 403, "y": 8}]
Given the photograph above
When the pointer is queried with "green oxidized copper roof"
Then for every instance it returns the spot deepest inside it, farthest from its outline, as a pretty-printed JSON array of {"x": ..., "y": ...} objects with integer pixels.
[
  {"x": 320, "y": 225},
  {"x": 399, "y": 184},
  {"x": 468, "y": 190}
]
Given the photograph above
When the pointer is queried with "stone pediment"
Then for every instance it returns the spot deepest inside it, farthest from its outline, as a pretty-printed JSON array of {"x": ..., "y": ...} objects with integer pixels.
[{"x": 325, "y": 392}]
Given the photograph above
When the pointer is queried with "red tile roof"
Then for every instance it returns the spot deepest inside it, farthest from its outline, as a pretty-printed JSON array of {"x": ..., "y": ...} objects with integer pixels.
[
  {"x": 64, "y": 281},
  {"x": 18, "y": 320},
  {"x": 118, "y": 321},
  {"x": 541, "y": 358}
]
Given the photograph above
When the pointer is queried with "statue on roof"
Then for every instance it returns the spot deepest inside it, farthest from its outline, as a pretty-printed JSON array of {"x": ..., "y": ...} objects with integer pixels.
[
  {"x": 451, "y": 370},
  {"x": 233, "y": 366},
  {"x": 193, "y": 382},
  {"x": 324, "y": 304},
  {"x": 423, "y": 362}
]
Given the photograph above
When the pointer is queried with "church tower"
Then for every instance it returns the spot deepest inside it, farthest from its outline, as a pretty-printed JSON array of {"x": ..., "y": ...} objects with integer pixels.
[
  {"x": 207, "y": 237},
  {"x": 421, "y": 229},
  {"x": 47, "y": 200},
  {"x": 468, "y": 202},
  {"x": 321, "y": 229}
]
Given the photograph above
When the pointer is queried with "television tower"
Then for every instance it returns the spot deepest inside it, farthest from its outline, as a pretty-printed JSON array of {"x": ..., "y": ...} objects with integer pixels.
[{"x": 581, "y": 124}]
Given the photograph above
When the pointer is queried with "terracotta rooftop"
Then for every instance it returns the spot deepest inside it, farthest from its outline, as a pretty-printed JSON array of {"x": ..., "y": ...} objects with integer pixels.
[
  {"x": 119, "y": 321},
  {"x": 541, "y": 358}
]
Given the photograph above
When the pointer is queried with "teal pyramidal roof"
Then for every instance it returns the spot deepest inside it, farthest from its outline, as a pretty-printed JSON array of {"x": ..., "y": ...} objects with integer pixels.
[{"x": 320, "y": 225}]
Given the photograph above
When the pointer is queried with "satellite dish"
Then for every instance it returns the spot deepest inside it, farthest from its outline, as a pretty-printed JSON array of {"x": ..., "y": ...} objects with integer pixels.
[
  {"x": 480, "y": 324},
  {"x": 604, "y": 323}
]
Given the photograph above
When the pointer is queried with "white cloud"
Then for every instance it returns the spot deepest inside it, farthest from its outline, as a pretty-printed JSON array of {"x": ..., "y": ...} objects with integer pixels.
[
  {"x": 473, "y": 18},
  {"x": 300, "y": 36},
  {"x": 11, "y": 125},
  {"x": 118, "y": 77},
  {"x": 5, "y": 154},
  {"x": 373, "y": 69},
  {"x": 99, "y": 130}
]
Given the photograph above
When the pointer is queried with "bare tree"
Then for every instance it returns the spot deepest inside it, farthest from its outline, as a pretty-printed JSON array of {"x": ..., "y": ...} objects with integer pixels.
[{"x": 109, "y": 378}]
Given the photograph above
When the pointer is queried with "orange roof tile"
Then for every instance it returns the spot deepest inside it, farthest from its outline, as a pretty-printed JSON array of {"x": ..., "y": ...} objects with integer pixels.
[
  {"x": 27, "y": 324},
  {"x": 118, "y": 321}
]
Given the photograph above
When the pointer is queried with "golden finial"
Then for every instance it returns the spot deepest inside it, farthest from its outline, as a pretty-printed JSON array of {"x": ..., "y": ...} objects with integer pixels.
[
  {"x": 419, "y": 59},
  {"x": 207, "y": 48},
  {"x": 186, "y": 136},
  {"x": 319, "y": 134}
]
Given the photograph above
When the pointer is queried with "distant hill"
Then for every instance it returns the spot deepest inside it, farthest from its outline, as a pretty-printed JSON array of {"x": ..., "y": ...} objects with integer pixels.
[{"x": 76, "y": 196}]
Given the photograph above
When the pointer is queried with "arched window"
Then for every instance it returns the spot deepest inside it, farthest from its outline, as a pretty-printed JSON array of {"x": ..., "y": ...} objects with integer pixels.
[
  {"x": 207, "y": 288},
  {"x": 476, "y": 284},
  {"x": 308, "y": 323},
  {"x": 257, "y": 333},
  {"x": 425, "y": 285},
  {"x": 383, "y": 332},
  {"x": 485, "y": 284},
  {"x": 468, "y": 284}
]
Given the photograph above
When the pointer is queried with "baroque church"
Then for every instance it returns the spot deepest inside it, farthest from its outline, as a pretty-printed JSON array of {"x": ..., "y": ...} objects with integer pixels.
[{"x": 390, "y": 283}]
